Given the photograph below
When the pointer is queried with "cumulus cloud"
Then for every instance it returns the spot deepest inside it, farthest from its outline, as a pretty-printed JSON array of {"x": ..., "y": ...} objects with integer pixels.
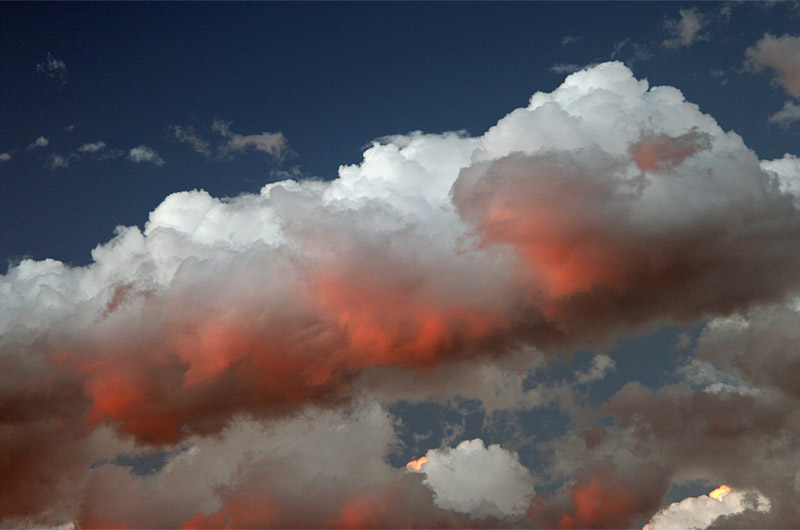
[
  {"x": 786, "y": 171},
  {"x": 782, "y": 56},
  {"x": 143, "y": 153},
  {"x": 551, "y": 230},
  {"x": 273, "y": 144},
  {"x": 5, "y": 157},
  {"x": 256, "y": 474},
  {"x": 478, "y": 480},
  {"x": 731, "y": 421},
  {"x": 687, "y": 30},
  {"x": 698, "y": 513},
  {"x": 53, "y": 68},
  {"x": 789, "y": 114}
]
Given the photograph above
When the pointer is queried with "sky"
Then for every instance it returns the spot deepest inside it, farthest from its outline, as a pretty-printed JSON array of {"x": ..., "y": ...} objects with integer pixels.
[{"x": 381, "y": 265}]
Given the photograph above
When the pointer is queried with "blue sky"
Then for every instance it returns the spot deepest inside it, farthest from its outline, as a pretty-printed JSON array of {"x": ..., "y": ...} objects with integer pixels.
[
  {"x": 261, "y": 252},
  {"x": 330, "y": 77}
]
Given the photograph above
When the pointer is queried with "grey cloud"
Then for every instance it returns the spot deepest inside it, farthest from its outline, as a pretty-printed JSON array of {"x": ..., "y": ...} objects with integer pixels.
[
  {"x": 789, "y": 114},
  {"x": 188, "y": 135},
  {"x": 686, "y": 30},
  {"x": 53, "y": 68},
  {"x": 782, "y": 56},
  {"x": 92, "y": 147},
  {"x": 273, "y": 144},
  {"x": 39, "y": 142}
]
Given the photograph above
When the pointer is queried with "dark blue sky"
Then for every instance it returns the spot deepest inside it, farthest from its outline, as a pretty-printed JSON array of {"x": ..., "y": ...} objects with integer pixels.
[{"x": 330, "y": 77}]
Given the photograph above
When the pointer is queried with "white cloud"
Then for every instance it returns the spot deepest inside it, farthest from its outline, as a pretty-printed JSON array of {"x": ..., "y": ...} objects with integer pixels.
[
  {"x": 782, "y": 55},
  {"x": 39, "y": 142},
  {"x": 687, "y": 30},
  {"x": 789, "y": 114},
  {"x": 698, "y": 513},
  {"x": 143, "y": 153},
  {"x": 92, "y": 148},
  {"x": 53, "y": 68},
  {"x": 274, "y": 144},
  {"x": 482, "y": 481},
  {"x": 5, "y": 157},
  {"x": 787, "y": 171}
]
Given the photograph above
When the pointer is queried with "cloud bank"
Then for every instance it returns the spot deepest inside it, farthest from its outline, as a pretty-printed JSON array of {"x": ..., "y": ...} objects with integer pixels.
[{"x": 602, "y": 207}]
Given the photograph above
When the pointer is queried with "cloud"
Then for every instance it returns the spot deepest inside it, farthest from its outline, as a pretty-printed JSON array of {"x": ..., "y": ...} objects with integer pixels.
[
  {"x": 601, "y": 365},
  {"x": 787, "y": 172},
  {"x": 780, "y": 54},
  {"x": 439, "y": 254},
  {"x": 789, "y": 114},
  {"x": 570, "y": 39},
  {"x": 92, "y": 148},
  {"x": 698, "y": 513},
  {"x": 478, "y": 480},
  {"x": 688, "y": 29},
  {"x": 561, "y": 68},
  {"x": 39, "y": 142},
  {"x": 257, "y": 474},
  {"x": 5, "y": 157},
  {"x": 273, "y": 144},
  {"x": 58, "y": 161},
  {"x": 53, "y": 68},
  {"x": 188, "y": 135},
  {"x": 730, "y": 421},
  {"x": 143, "y": 153},
  {"x": 633, "y": 50}
]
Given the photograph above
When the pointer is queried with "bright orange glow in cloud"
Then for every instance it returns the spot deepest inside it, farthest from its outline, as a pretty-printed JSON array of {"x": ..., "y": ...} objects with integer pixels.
[
  {"x": 599, "y": 505},
  {"x": 416, "y": 465},
  {"x": 720, "y": 492}
]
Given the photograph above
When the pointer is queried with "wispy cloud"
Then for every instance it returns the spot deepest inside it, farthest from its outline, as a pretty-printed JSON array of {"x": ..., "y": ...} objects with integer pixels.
[
  {"x": 39, "y": 142},
  {"x": 274, "y": 144},
  {"x": 53, "y": 68},
  {"x": 144, "y": 153},
  {"x": 58, "y": 161},
  {"x": 570, "y": 39},
  {"x": 789, "y": 114},
  {"x": 92, "y": 148},
  {"x": 686, "y": 30},
  {"x": 5, "y": 157},
  {"x": 189, "y": 136},
  {"x": 630, "y": 52},
  {"x": 562, "y": 68}
]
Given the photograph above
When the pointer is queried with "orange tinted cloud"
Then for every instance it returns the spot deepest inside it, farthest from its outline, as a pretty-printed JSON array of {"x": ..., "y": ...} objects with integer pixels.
[{"x": 663, "y": 152}]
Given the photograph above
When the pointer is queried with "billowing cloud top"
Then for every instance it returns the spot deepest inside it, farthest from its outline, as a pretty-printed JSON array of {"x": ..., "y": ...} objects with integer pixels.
[{"x": 599, "y": 207}]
